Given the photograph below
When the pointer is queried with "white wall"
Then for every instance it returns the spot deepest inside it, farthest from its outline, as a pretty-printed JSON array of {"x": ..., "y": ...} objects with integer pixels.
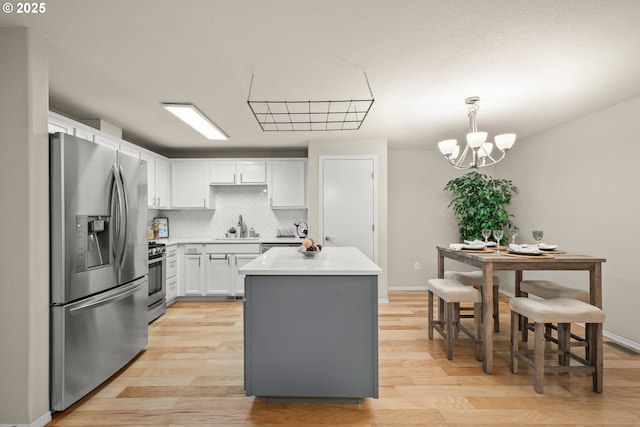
[
  {"x": 579, "y": 182},
  {"x": 377, "y": 147},
  {"x": 24, "y": 253}
]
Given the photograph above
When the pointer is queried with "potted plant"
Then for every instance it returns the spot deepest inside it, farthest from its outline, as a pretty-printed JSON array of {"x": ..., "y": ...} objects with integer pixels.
[
  {"x": 480, "y": 202},
  {"x": 231, "y": 232}
]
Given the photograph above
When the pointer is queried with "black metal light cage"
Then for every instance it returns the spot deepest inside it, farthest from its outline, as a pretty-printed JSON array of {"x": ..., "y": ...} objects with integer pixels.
[{"x": 281, "y": 116}]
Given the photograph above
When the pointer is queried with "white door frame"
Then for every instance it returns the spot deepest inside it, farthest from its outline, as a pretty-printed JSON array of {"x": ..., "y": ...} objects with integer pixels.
[{"x": 375, "y": 224}]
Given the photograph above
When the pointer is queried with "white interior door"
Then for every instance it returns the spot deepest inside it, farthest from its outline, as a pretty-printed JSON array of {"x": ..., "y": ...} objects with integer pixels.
[{"x": 348, "y": 203}]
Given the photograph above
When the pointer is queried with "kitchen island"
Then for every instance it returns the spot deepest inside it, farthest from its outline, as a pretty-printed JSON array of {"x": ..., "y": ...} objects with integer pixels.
[{"x": 311, "y": 325}]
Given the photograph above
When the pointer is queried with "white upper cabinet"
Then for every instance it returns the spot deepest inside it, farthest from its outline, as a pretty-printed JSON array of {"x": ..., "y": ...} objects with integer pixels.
[
  {"x": 288, "y": 183},
  {"x": 252, "y": 172},
  {"x": 57, "y": 124},
  {"x": 130, "y": 149},
  {"x": 222, "y": 172},
  {"x": 163, "y": 182},
  {"x": 230, "y": 172},
  {"x": 158, "y": 180},
  {"x": 189, "y": 187}
]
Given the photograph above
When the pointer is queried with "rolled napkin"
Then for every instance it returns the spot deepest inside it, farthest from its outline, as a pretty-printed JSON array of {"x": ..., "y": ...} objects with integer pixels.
[
  {"x": 523, "y": 249},
  {"x": 480, "y": 242},
  {"x": 474, "y": 246}
]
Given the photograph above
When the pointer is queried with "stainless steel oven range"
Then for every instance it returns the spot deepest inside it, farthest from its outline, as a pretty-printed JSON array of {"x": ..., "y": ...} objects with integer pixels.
[{"x": 157, "y": 280}]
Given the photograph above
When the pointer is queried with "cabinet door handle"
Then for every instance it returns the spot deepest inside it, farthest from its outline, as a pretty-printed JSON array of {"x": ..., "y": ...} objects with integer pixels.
[
  {"x": 158, "y": 201},
  {"x": 241, "y": 179},
  {"x": 234, "y": 178}
]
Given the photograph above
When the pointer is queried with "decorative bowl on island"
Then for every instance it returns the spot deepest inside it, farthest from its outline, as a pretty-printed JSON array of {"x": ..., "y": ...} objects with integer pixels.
[{"x": 309, "y": 248}]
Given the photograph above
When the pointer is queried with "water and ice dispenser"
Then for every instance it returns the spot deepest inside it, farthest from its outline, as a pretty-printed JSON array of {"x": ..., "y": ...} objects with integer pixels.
[{"x": 93, "y": 242}]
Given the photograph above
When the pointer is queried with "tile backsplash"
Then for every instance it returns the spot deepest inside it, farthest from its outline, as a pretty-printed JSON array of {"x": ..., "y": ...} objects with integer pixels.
[{"x": 251, "y": 202}]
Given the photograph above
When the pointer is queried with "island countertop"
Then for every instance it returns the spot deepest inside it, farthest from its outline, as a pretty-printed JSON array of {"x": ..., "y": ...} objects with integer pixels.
[{"x": 341, "y": 261}]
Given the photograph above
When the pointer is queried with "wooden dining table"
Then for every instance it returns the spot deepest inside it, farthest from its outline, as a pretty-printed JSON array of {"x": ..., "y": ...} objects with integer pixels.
[{"x": 490, "y": 261}]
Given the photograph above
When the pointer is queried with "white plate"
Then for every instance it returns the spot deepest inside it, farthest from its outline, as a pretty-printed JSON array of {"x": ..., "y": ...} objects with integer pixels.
[{"x": 546, "y": 247}]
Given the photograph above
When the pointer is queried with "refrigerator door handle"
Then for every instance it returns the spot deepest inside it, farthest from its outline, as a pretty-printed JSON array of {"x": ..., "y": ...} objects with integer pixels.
[
  {"x": 116, "y": 207},
  {"x": 125, "y": 216},
  {"x": 117, "y": 295}
]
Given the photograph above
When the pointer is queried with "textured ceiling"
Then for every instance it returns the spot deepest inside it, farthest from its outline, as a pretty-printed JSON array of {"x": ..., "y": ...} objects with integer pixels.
[{"x": 534, "y": 64}]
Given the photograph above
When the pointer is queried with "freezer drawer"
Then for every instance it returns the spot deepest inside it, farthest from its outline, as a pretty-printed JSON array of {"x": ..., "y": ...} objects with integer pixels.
[{"x": 93, "y": 338}]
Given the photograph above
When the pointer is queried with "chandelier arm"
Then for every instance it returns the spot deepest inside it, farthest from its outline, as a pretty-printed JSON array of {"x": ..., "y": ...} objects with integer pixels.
[{"x": 459, "y": 161}]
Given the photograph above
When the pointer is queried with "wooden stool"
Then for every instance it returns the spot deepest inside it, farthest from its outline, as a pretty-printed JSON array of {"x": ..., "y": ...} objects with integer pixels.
[
  {"x": 563, "y": 312},
  {"x": 548, "y": 289},
  {"x": 450, "y": 294},
  {"x": 476, "y": 279}
]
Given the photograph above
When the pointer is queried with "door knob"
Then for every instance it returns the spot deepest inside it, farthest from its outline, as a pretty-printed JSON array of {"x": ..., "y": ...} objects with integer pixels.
[{"x": 329, "y": 239}]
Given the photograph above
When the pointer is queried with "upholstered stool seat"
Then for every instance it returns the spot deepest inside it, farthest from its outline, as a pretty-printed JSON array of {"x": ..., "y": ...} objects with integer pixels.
[
  {"x": 476, "y": 279},
  {"x": 563, "y": 312},
  {"x": 548, "y": 289},
  {"x": 450, "y": 294}
]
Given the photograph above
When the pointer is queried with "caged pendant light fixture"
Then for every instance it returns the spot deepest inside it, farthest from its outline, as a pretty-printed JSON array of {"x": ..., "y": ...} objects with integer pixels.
[{"x": 477, "y": 151}]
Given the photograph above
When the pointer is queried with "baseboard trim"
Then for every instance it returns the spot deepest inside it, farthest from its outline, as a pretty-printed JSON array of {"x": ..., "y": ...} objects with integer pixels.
[
  {"x": 41, "y": 421},
  {"x": 407, "y": 288}
]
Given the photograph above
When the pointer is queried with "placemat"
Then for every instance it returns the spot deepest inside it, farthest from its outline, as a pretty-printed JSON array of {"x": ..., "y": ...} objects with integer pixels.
[
  {"x": 477, "y": 250},
  {"x": 545, "y": 255}
]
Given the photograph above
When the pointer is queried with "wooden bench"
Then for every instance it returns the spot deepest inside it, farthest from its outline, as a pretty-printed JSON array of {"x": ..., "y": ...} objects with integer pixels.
[
  {"x": 562, "y": 312},
  {"x": 450, "y": 294}
]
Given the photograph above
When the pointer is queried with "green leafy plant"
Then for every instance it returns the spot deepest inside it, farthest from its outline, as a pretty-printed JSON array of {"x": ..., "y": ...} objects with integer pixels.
[
  {"x": 480, "y": 201},
  {"x": 232, "y": 230}
]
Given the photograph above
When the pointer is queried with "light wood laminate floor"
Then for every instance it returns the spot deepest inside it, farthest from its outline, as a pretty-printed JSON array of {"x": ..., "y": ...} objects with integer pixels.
[{"x": 191, "y": 375}]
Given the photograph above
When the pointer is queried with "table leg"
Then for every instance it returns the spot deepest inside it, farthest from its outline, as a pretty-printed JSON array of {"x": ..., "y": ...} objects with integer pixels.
[
  {"x": 487, "y": 313},
  {"x": 595, "y": 285},
  {"x": 440, "y": 265}
]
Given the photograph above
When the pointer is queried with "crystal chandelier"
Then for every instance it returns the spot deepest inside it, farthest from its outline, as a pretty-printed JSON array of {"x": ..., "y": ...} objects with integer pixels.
[{"x": 477, "y": 151}]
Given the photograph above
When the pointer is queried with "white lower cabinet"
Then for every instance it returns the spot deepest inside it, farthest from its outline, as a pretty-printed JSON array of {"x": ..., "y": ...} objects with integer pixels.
[
  {"x": 212, "y": 270},
  {"x": 218, "y": 279},
  {"x": 194, "y": 267},
  {"x": 172, "y": 274},
  {"x": 237, "y": 279}
]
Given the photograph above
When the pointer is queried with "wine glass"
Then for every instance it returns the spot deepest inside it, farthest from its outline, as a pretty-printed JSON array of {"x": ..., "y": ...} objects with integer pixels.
[
  {"x": 498, "y": 235},
  {"x": 537, "y": 235},
  {"x": 513, "y": 230},
  {"x": 486, "y": 233}
]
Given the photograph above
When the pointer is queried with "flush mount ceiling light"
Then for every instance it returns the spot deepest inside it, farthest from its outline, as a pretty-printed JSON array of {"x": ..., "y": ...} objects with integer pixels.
[
  {"x": 194, "y": 118},
  {"x": 477, "y": 151}
]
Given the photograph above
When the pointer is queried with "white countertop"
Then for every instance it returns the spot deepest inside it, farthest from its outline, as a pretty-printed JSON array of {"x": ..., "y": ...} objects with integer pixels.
[
  {"x": 237, "y": 240},
  {"x": 330, "y": 261}
]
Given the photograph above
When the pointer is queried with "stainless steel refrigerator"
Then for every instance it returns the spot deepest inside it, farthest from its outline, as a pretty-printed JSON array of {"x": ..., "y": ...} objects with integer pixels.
[{"x": 99, "y": 291}]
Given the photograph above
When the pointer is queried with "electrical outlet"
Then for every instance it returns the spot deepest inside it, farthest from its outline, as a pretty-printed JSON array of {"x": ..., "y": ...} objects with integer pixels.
[{"x": 416, "y": 266}]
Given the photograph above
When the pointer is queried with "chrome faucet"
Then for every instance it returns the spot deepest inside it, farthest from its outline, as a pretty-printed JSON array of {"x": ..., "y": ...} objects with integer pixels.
[{"x": 242, "y": 227}]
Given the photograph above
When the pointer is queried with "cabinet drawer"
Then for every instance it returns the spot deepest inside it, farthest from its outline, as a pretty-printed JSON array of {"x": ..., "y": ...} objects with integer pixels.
[
  {"x": 172, "y": 288},
  {"x": 172, "y": 251},
  {"x": 193, "y": 249},
  {"x": 172, "y": 267},
  {"x": 234, "y": 248}
]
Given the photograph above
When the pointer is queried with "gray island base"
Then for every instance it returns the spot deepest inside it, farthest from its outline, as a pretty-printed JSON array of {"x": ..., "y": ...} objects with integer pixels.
[{"x": 311, "y": 335}]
